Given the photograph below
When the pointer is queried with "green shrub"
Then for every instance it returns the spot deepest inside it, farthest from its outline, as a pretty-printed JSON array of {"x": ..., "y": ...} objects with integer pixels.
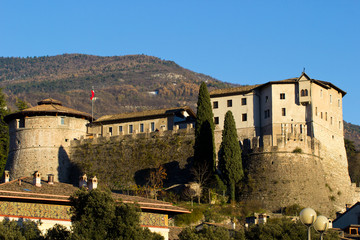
[
  {"x": 297, "y": 150},
  {"x": 187, "y": 219},
  {"x": 213, "y": 215},
  {"x": 293, "y": 210}
]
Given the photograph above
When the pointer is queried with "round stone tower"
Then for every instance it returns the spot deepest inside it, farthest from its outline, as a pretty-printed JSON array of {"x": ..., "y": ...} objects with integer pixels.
[{"x": 40, "y": 139}]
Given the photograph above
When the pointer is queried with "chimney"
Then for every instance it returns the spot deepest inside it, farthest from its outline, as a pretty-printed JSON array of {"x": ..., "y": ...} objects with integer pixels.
[
  {"x": 37, "y": 179},
  {"x": 348, "y": 206},
  {"x": 6, "y": 176},
  {"x": 92, "y": 183},
  {"x": 50, "y": 178},
  {"x": 83, "y": 181}
]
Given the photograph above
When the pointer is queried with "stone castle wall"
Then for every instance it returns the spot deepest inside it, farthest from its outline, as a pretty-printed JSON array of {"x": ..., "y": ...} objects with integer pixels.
[
  {"x": 148, "y": 135},
  {"x": 293, "y": 168},
  {"x": 281, "y": 179},
  {"x": 43, "y": 145}
]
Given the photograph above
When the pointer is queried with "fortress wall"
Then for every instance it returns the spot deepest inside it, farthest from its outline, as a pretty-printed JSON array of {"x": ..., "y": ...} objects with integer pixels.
[
  {"x": 150, "y": 135},
  {"x": 42, "y": 145},
  {"x": 283, "y": 178}
]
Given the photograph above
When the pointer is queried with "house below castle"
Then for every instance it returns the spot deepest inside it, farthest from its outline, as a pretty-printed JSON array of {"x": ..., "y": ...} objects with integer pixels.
[{"x": 33, "y": 198}]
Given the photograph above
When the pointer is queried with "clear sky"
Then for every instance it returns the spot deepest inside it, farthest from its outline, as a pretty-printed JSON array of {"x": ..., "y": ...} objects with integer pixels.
[{"x": 243, "y": 41}]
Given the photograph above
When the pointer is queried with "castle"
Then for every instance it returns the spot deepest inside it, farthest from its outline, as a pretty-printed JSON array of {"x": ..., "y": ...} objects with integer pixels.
[{"x": 291, "y": 130}]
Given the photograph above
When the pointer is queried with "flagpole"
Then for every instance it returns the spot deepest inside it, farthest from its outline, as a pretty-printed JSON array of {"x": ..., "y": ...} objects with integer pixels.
[{"x": 92, "y": 107}]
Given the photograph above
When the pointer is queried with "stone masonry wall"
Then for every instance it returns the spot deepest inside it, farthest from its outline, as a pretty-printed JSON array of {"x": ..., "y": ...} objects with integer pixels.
[
  {"x": 281, "y": 179},
  {"x": 42, "y": 145}
]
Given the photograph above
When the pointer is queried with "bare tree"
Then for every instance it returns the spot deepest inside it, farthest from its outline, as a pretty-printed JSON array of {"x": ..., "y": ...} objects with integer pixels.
[{"x": 201, "y": 175}]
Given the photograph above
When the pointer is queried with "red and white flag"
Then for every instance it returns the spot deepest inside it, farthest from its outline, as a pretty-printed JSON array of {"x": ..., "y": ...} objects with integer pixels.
[{"x": 92, "y": 95}]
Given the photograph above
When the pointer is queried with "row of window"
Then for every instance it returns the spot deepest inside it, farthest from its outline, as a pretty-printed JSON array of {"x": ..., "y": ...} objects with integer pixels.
[
  {"x": 243, "y": 118},
  {"x": 330, "y": 96},
  {"x": 303, "y": 93},
  {"x": 325, "y": 116},
  {"x": 21, "y": 122},
  {"x": 229, "y": 103},
  {"x": 131, "y": 128}
]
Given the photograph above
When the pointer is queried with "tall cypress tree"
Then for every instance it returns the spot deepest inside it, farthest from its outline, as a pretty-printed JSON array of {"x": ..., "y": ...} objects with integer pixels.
[
  {"x": 230, "y": 163},
  {"x": 204, "y": 149},
  {"x": 4, "y": 133}
]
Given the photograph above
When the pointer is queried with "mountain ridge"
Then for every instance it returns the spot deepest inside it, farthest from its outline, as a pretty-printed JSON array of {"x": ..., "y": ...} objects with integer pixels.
[{"x": 122, "y": 83}]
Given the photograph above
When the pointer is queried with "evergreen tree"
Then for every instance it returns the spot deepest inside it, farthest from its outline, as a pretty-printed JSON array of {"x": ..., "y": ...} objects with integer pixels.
[
  {"x": 4, "y": 133},
  {"x": 21, "y": 105},
  {"x": 96, "y": 215},
  {"x": 204, "y": 149},
  {"x": 230, "y": 163}
]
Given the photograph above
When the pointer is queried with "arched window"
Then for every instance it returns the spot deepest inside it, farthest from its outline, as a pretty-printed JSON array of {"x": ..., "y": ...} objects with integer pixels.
[{"x": 304, "y": 92}]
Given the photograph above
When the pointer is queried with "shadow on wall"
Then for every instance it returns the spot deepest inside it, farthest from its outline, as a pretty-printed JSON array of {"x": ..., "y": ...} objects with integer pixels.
[
  {"x": 175, "y": 174},
  {"x": 68, "y": 172}
]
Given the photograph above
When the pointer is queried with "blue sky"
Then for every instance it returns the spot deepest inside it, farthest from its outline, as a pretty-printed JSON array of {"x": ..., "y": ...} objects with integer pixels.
[{"x": 243, "y": 41}]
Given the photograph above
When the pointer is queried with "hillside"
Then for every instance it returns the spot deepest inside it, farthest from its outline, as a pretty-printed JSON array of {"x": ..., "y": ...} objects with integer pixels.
[
  {"x": 352, "y": 132},
  {"x": 121, "y": 83}
]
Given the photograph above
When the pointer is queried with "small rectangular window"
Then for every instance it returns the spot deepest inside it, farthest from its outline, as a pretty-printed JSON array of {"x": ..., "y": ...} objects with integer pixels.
[
  {"x": 243, "y": 101},
  {"x": 283, "y": 111},
  {"x": 131, "y": 129},
  {"x": 120, "y": 129},
  {"x": 110, "y": 131},
  {"x": 315, "y": 111},
  {"x": 229, "y": 103},
  {"x": 244, "y": 117},
  {"x": 267, "y": 113},
  {"x": 266, "y": 99},
  {"x": 21, "y": 122},
  {"x": 321, "y": 115},
  {"x": 62, "y": 121},
  {"x": 141, "y": 127},
  {"x": 331, "y": 120},
  {"x": 215, "y": 104},
  {"x": 152, "y": 126},
  {"x": 282, "y": 95},
  {"x": 325, "y": 116},
  {"x": 216, "y": 120}
]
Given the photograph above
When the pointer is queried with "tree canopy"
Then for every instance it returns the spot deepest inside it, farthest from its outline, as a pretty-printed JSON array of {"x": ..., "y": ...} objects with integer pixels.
[
  {"x": 230, "y": 163},
  {"x": 204, "y": 148},
  {"x": 4, "y": 133},
  {"x": 97, "y": 216}
]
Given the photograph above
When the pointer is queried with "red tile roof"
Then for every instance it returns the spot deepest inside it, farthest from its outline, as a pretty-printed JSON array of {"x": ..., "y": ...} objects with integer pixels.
[{"x": 60, "y": 192}]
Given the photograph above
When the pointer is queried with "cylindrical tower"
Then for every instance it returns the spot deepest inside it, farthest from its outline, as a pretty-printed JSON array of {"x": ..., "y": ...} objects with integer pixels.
[{"x": 40, "y": 139}]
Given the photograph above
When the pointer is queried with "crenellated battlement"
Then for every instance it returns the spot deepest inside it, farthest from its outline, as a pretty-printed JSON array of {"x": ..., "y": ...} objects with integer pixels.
[
  {"x": 283, "y": 143},
  {"x": 98, "y": 139}
]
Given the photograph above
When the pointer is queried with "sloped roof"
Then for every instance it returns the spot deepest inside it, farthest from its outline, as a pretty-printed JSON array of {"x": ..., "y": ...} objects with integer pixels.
[
  {"x": 343, "y": 215},
  {"x": 249, "y": 88},
  {"x": 233, "y": 91},
  {"x": 48, "y": 107},
  {"x": 145, "y": 114},
  {"x": 60, "y": 193}
]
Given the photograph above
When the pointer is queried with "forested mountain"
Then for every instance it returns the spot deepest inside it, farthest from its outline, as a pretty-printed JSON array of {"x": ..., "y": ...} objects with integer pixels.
[
  {"x": 121, "y": 83},
  {"x": 352, "y": 132}
]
